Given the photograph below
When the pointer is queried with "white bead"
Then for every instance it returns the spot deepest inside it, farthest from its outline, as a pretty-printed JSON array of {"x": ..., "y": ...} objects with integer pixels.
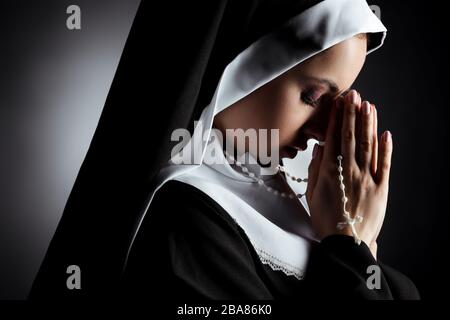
[
  {"x": 339, "y": 157},
  {"x": 340, "y": 169},
  {"x": 341, "y": 178},
  {"x": 344, "y": 199},
  {"x": 261, "y": 181},
  {"x": 342, "y": 187}
]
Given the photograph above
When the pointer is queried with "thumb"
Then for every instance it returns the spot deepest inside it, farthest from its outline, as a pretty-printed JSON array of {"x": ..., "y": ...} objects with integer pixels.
[{"x": 313, "y": 171}]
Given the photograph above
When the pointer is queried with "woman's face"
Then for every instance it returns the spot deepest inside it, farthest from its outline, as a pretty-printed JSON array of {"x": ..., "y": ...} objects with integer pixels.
[{"x": 298, "y": 101}]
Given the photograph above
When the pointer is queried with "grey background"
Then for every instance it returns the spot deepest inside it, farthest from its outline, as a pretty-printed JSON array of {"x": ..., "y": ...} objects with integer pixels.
[{"x": 55, "y": 81}]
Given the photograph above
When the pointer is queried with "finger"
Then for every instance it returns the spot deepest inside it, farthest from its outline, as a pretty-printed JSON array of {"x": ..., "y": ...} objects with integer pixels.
[
  {"x": 358, "y": 131},
  {"x": 375, "y": 141},
  {"x": 332, "y": 143},
  {"x": 348, "y": 129},
  {"x": 365, "y": 140},
  {"x": 313, "y": 171},
  {"x": 384, "y": 158}
]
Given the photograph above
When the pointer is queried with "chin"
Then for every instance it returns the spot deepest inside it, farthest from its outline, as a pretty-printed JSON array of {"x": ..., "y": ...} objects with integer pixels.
[{"x": 288, "y": 152}]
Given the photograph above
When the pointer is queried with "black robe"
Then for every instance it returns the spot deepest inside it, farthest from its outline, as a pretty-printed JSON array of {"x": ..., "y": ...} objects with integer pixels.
[
  {"x": 168, "y": 72},
  {"x": 190, "y": 248}
]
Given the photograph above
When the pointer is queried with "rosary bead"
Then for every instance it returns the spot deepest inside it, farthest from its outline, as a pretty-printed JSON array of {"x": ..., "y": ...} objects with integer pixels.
[{"x": 262, "y": 183}]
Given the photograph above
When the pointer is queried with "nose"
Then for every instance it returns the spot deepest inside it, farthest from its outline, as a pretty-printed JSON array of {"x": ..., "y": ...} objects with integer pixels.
[
  {"x": 315, "y": 131},
  {"x": 316, "y": 127}
]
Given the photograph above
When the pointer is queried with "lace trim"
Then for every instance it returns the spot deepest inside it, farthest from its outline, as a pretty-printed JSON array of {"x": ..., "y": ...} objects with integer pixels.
[
  {"x": 279, "y": 265},
  {"x": 275, "y": 263}
]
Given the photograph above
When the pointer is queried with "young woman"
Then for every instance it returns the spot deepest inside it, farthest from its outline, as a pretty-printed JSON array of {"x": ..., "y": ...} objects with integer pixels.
[
  {"x": 221, "y": 222},
  {"x": 233, "y": 227}
]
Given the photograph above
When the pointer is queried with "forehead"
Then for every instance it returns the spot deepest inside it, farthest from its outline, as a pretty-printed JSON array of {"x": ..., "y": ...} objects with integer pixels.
[{"x": 340, "y": 63}]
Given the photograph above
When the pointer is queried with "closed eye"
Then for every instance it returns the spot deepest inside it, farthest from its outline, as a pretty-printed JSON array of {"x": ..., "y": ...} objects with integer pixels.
[{"x": 307, "y": 99}]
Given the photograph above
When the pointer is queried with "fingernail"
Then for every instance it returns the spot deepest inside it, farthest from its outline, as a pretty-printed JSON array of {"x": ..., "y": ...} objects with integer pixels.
[
  {"x": 387, "y": 136},
  {"x": 352, "y": 97},
  {"x": 366, "y": 107},
  {"x": 314, "y": 153}
]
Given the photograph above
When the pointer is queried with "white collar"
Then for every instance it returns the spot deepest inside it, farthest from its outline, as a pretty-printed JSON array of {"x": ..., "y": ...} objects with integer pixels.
[{"x": 278, "y": 228}]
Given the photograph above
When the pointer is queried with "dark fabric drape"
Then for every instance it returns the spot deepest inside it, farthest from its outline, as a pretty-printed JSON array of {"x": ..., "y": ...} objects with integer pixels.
[{"x": 172, "y": 61}]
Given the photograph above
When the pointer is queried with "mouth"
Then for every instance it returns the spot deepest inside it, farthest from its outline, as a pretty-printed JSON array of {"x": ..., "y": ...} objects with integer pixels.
[
  {"x": 301, "y": 143},
  {"x": 291, "y": 151},
  {"x": 301, "y": 146}
]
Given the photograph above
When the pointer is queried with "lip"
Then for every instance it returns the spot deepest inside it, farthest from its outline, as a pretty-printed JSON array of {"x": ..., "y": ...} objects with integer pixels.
[
  {"x": 301, "y": 147},
  {"x": 291, "y": 152}
]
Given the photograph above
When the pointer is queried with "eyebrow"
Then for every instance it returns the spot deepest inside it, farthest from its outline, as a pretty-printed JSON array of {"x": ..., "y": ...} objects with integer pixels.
[{"x": 332, "y": 86}]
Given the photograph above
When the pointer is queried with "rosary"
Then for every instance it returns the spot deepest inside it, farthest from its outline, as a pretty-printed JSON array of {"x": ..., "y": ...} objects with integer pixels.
[{"x": 349, "y": 221}]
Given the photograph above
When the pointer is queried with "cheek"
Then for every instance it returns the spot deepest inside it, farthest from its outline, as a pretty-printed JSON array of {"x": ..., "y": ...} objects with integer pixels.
[
  {"x": 280, "y": 107},
  {"x": 318, "y": 122},
  {"x": 289, "y": 119}
]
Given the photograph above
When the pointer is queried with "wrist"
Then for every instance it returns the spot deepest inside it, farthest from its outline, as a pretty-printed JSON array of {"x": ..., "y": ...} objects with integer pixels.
[{"x": 347, "y": 231}]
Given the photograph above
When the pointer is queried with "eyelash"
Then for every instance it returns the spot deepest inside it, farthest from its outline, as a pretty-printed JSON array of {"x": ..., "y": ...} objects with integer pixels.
[{"x": 306, "y": 98}]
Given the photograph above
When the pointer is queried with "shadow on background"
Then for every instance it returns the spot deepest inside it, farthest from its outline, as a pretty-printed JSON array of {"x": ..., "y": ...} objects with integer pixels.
[{"x": 53, "y": 85}]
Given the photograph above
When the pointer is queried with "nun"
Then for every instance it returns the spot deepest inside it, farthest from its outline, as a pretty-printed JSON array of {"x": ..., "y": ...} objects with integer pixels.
[
  {"x": 207, "y": 217},
  {"x": 222, "y": 224}
]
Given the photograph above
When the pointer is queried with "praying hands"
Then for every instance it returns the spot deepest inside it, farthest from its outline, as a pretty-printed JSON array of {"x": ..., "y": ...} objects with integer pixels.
[{"x": 351, "y": 134}]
